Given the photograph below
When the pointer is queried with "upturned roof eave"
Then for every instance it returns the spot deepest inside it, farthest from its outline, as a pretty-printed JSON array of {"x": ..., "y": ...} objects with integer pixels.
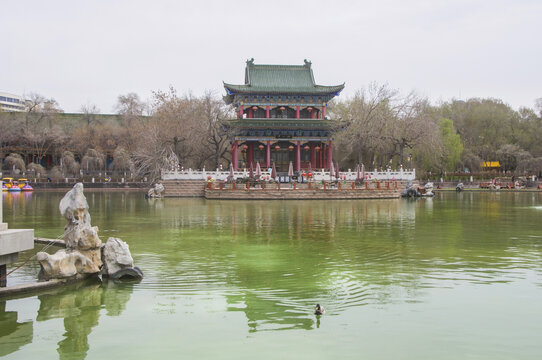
[{"x": 233, "y": 89}]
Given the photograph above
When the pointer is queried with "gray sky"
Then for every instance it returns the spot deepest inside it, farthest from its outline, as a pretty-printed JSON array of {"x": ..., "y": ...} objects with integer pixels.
[{"x": 89, "y": 52}]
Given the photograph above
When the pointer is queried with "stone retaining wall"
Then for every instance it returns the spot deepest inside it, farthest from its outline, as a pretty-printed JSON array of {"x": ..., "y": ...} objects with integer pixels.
[
  {"x": 184, "y": 188},
  {"x": 290, "y": 194}
]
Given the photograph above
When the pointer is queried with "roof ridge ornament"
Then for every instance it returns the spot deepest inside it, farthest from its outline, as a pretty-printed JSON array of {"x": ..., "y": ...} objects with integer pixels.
[
  {"x": 308, "y": 63},
  {"x": 250, "y": 62}
]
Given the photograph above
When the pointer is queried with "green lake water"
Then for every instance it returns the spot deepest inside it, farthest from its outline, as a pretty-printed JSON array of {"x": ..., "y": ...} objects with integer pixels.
[{"x": 454, "y": 277}]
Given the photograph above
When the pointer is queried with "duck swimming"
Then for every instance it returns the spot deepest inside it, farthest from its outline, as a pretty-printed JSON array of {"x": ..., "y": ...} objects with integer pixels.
[{"x": 319, "y": 310}]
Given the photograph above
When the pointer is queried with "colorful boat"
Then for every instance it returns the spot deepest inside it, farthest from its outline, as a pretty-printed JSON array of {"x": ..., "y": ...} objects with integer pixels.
[
  {"x": 7, "y": 183},
  {"x": 14, "y": 187},
  {"x": 24, "y": 184}
]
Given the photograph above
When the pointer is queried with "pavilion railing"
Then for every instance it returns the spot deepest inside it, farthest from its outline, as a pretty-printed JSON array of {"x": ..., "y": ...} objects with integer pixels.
[
  {"x": 317, "y": 175},
  {"x": 311, "y": 185}
]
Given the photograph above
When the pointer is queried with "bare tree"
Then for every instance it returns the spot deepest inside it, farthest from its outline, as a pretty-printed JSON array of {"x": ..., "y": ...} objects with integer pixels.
[
  {"x": 130, "y": 105},
  {"x": 363, "y": 118},
  {"x": 42, "y": 140},
  {"x": 69, "y": 166},
  {"x": 89, "y": 114},
  {"x": 152, "y": 153},
  {"x": 410, "y": 124},
  {"x": 179, "y": 122},
  {"x": 93, "y": 160},
  {"x": 15, "y": 162},
  {"x": 36, "y": 170},
  {"x": 37, "y": 103},
  {"x": 122, "y": 160},
  {"x": 217, "y": 139},
  {"x": 9, "y": 132},
  {"x": 380, "y": 123}
]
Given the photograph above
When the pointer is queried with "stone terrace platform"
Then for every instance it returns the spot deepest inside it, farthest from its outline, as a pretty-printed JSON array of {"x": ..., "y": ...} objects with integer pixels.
[{"x": 304, "y": 191}]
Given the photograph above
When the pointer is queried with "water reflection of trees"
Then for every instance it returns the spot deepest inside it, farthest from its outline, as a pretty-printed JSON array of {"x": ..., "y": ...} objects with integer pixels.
[
  {"x": 283, "y": 257},
  {"x": 79, "y": 306}
]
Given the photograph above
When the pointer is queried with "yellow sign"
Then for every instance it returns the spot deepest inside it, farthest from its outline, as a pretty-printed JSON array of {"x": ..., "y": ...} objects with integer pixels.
[{"x": 491, "y": 164}]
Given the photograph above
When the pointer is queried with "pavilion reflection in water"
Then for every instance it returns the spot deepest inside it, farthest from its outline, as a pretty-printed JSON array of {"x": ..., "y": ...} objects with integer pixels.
[{"x": 272, "y": 294}]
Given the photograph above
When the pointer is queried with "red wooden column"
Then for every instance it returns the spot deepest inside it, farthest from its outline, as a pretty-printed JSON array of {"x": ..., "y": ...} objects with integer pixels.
[
  {"x": 312, "y": 113},
  {"x": 250, "y": 154},
  {"x": 234, "y": 154},
  {"x": 250, "y": 113},
  {"x": 323, "y": 161},
  {"x": 267, "y": 112},
  {"x": 298, "y": 155},
  {"x": 323, "y": 112},
  {"x": 329, "y": 154},
  {"x": 297, "y": 112},
  {"x": 241, "y": 111},
  {"x": 268, "y": 152},
  {"x": 313, "y": 157}
]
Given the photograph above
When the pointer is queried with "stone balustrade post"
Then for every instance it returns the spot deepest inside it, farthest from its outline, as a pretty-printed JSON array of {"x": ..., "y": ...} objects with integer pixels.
[{"x": 2, "y": 225}]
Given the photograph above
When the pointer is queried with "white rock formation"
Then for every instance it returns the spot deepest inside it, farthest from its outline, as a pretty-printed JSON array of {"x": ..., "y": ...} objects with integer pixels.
[
  {"x": 74, "y": 206},
  {"x": 62, "y": 264},
  {"x": 82, "y": 256},
  {"x": 116, "y": 256}
]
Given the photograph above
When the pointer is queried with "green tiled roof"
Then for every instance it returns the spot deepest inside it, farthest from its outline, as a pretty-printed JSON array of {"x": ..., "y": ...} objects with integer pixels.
[{"x": 280, "y": 79}]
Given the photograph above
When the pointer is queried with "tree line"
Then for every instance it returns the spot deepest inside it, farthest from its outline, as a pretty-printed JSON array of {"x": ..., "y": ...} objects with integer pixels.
[
  {"x": 378, "y": 126},
  {"x": 383, "y": 127}
]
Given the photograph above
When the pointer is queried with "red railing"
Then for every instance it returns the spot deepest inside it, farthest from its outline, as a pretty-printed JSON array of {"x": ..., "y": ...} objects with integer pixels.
[{"x": 326, "y": 185}]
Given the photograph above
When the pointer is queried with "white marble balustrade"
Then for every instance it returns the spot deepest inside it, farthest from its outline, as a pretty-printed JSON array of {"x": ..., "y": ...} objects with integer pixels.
[{"x": 316, "y": 175}]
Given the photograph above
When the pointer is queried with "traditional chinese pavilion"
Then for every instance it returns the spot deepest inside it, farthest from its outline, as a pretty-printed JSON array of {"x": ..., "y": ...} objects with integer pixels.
[{"x": 281, "y": 118}]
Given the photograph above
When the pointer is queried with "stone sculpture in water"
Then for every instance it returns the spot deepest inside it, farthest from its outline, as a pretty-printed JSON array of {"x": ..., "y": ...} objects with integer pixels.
[
  {"x": 85, "y": 253},
  {"x": 156, "y": 191}
]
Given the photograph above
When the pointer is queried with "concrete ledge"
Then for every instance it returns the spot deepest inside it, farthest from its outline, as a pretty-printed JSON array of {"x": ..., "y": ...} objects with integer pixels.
[
  {"x": 289, "y": 194},
  {"x": 55, "y": 242},
  {"x": 30, "y": 288},
  {"x": 16, "y": 240}
]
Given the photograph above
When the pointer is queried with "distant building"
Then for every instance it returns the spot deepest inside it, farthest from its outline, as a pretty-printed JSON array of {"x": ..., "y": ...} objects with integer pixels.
[{"x": 10, "y": 102}]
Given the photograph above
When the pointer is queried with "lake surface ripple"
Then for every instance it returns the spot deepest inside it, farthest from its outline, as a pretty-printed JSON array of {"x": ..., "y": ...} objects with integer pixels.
[{"x": 457, "y": 276}]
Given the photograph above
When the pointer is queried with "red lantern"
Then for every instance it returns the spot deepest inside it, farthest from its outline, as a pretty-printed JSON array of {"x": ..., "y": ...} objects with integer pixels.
[
  {"x": 277, "y": 147},
  {"x": 260, "y": 147},
  {"x": 291, "y": 147},
  {"x": 310, "y": 109},
  {"x": 303, "y": 174},
  {"x": 317, "y": 148},
  {"x": 254, "y": 108},
  {"x": 307, "y": 147},
  {"x": 282, "y": 108},
  {"x": 245, "y": 147},
  {"x": 310, "y": 174}
]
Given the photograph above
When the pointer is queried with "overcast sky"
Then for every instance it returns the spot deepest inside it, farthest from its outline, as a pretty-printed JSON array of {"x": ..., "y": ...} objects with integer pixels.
[{"x": 89, "y": 52}]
